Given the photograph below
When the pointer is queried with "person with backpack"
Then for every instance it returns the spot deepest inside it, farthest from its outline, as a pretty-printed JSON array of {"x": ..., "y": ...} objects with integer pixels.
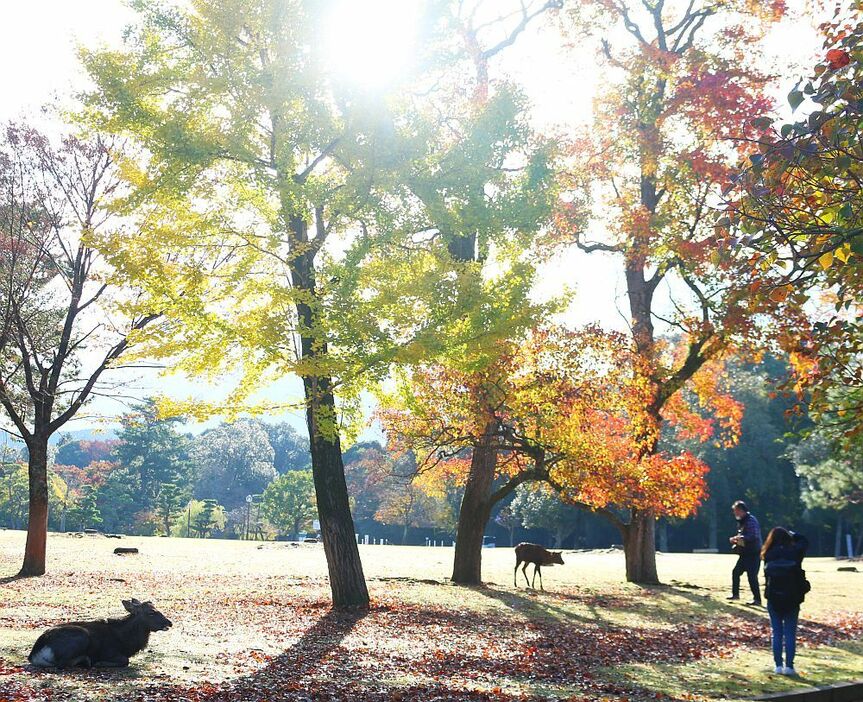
[
  {"x": 786, "y": 587},
  {"x": 747, "y": 545}
]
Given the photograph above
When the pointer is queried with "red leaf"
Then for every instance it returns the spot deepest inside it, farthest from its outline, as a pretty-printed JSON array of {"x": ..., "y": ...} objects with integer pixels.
[{"x": 837, "y": 58}]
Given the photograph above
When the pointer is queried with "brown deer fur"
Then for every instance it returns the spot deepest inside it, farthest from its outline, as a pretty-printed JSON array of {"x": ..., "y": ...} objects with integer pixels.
[{"x": 539, "y": 556}]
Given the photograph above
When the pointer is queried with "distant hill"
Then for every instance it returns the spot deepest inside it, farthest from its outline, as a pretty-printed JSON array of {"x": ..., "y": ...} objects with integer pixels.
[{"x": 92, "y": 434}]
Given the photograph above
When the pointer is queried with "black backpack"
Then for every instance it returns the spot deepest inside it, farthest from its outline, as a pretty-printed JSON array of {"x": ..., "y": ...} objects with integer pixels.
[{"x": 786, "y": 583}]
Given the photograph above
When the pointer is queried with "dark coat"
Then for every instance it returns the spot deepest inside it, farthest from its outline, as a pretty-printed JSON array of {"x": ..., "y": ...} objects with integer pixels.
[
  {"x": 785, "y": 580},
  {"x": 749, "y": 528}
]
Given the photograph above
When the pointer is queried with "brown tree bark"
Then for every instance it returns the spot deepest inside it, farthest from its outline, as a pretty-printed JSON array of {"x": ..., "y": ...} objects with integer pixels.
[
  {"x": 639, "y": 548},
  {"x": 347, "y": 581},
  {"x": 37, "y": 523},
  {"x": 480, "y": 496},
  {"x": 475, "y": 511}
]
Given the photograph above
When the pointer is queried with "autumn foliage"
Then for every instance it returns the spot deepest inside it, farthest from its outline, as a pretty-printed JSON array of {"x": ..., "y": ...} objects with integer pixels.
[
  {"x": 568, "y": 409},
  {"x": 794, "y": 206}
]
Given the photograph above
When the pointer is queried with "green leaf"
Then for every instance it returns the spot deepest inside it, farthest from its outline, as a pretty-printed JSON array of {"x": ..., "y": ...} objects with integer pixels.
[{"x": 795, "y": 97}]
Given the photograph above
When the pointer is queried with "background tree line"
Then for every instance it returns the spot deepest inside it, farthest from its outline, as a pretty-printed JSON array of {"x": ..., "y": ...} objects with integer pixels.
[{"x": 155, "y": 479}]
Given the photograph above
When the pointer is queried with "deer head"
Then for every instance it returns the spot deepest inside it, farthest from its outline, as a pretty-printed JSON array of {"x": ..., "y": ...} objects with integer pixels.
[{"x": 145, "y": 612}]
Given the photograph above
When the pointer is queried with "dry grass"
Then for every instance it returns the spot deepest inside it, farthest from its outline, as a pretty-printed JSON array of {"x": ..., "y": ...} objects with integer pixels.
[{"x": 251, "y": 616}]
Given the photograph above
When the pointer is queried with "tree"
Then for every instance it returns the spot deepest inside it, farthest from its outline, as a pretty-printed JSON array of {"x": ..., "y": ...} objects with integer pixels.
[
  {"x": 153, "y": 450},
  {"x": 469, "y": 240},
  {"x": 169, "y": 504},
  {"x": 76, "y": 480},
  {"x": 831, "y": 476},
  {"x": 288, "y": 503},
  {"x": 756, "y": 468},
  {"x": 85, "y": 513},
  {"x": 205, "y": 516},
  {"x": 119, "y": 501},
  {"x": 233, "y": 461},
  {"x": 507, "y": 518},
  {"x": 82, "y": 453},
  {"x": 60, "y": 329},
  {"x": 795, "y": 208},
  {"x": 366, "y": 471},
  {"x": 186, "y": 522},
  {"x": 562, "y": 411},
  {"x": 460, "y": 426},
  {"x": 290, "y": 450},
  {"x": 409, "y": 503},
  {"x": 661, "y": 146},
  {"x": 13, "y": 494},
  {"x": 332, "y": 219}
]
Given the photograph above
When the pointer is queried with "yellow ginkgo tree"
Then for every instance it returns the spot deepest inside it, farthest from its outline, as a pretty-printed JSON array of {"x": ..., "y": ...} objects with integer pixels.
[{"x": 293, "y": 224}]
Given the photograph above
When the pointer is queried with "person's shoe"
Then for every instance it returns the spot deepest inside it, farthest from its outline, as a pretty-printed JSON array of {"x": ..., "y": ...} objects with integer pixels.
[
  {"x": 732, "y": 597},
  {"x": 788, "y": 670},
  {"x": 779, "y": 670},
  {"x": 754, "y": 603}
]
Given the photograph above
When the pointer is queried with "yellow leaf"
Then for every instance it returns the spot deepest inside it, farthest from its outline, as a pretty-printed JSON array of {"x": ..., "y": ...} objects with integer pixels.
[
  {"x": 843, "y": 253},
  {"x": 826, "y": 260}
]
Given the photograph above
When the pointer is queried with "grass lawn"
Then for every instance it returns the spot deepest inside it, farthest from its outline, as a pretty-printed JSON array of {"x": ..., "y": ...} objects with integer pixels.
[{"x": 252, "y": 622}]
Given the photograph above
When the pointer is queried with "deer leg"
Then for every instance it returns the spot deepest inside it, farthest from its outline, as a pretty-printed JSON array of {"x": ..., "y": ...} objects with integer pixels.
[
  {"x": 515, "y": 573},
  {"x": 117, "y": 662},
  {"x": 539, "y": 570},
  {"x": 524, "y": 573},
  {"x": 535, "y": 571}
]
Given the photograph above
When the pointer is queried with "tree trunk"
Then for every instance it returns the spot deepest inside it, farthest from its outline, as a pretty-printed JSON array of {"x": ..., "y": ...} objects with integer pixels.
[
  {"x": 713, "y": 525},
  {"x": 37, "y": 523},
  {"x": 663, "y": 536},
  {"x": 475, "y": 512},
  {"x": 639, "y": 547},
  {"x": 837, "y": 546},
  {"x": 347, "y": 582}
]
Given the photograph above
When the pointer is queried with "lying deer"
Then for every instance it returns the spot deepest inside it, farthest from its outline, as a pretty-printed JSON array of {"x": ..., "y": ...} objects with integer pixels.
[
  {"x": 106, "y": 642},
  {"x": 536, "y": 554}
]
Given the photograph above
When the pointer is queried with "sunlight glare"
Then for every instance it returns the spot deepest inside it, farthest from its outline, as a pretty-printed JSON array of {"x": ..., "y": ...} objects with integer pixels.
[{"x": 371, "y": 42}]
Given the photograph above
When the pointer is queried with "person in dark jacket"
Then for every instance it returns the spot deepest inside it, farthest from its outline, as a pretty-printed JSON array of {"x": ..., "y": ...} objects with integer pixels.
[
  {"x": 786, "y": 586},
  {"x": 747, "y": 545}
]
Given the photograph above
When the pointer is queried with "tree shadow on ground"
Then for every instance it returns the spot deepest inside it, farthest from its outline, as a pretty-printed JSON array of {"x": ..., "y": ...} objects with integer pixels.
[
  {"x": 566, "y": 644},
  {"x": 319, "y": 667},
  {"x": 421, "y": 652}
]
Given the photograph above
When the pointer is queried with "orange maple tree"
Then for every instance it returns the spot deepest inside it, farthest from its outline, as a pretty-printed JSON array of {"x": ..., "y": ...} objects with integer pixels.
[
  {"x": 567, "y": 408},
  {"x": 684, "y": 93}
]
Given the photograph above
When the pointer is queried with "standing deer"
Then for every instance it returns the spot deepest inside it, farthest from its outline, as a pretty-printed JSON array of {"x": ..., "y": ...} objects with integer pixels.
[
  {"x": 536, "y": 554},
  {"x": 106, "y": 642}
]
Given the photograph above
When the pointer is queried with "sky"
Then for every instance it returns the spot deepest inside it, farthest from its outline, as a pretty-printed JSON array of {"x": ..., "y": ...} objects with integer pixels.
[{"x": 38, "y": 40}]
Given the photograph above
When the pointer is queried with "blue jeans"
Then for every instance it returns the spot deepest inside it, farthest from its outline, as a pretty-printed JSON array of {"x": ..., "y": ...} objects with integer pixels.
[{"x": 784, "y": 628}]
